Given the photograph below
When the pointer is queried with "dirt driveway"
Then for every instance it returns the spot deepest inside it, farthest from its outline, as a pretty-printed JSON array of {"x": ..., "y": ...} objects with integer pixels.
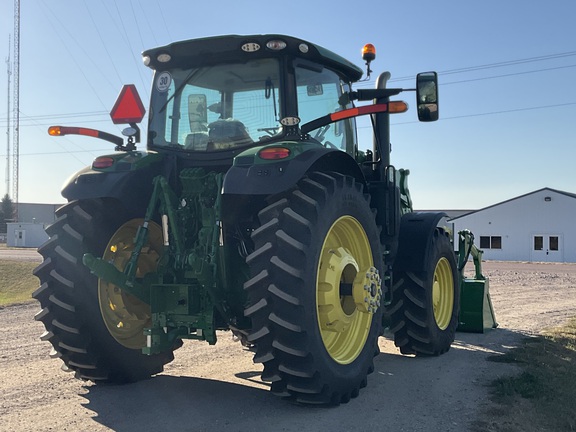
[{"x": 218, "y": 388}]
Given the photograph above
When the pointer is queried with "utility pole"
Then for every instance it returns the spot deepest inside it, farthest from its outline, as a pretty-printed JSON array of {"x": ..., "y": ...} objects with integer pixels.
[
  {"x": 8, "y": 122},
  {"x": 16, "y": 117}
]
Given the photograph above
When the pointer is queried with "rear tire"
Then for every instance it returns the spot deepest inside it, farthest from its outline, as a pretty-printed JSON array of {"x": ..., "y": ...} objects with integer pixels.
[
  {"x": 69, "y": 297},
  {"x": 426, "y": 304},
  {"x": 314, "y": 324}
]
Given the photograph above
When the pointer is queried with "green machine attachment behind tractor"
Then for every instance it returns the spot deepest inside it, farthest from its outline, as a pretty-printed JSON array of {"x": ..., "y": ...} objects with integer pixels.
[{"x": 252, "y": 210}]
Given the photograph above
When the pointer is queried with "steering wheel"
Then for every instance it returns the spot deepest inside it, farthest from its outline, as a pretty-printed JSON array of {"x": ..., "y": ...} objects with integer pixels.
[{"x": 319, "y": 135}]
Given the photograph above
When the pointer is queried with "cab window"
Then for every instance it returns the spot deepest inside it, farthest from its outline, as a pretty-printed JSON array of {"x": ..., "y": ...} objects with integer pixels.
[
  {"x": 216, "y": 108},
  {"x": 319, "y": 92}
]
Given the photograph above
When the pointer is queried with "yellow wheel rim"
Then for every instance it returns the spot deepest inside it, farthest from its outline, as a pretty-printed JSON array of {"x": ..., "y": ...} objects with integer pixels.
[
  {"x": 126, "y": 316},
  {"x": 443, "y": 293},
  {"x": 348, "y": 290}
]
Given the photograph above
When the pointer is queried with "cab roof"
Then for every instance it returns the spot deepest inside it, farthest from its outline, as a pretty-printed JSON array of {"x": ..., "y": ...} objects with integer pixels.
[{"x": 230, "y": 48}]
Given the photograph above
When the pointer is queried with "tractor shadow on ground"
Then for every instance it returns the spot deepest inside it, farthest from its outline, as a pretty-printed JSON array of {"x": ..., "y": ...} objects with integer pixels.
[
  {"x": 399, "y": 384},
  {"x": 176, "y": 403}
]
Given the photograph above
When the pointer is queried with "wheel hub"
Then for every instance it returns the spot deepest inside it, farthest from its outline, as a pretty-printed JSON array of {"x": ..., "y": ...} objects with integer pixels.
[
  {"x": 334, "y": 310},
  {"x": 345, "y": 289},
  {"x": 367, "y": 290}
]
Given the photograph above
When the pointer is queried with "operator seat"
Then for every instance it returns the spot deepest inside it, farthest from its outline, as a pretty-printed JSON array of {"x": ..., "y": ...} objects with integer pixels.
[
  {"x": 227, "y": 133},
  {"x": 196, "y": 141}
]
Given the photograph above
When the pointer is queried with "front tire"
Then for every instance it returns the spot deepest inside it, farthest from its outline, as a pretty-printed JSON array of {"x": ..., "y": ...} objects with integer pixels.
[
  {"x": 426, "y": 303},
  {"x": 315, "y": 290},
  {"x": 70, "y": 298}
]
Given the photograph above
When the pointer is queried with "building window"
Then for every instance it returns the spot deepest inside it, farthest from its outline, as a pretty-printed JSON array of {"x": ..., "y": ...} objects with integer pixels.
[
  {"x": 490, "y": 242},
  {"x": 553, "y": 243},
  {"x": 538, "y": 243},
  {"x": 496, "y": 242}
]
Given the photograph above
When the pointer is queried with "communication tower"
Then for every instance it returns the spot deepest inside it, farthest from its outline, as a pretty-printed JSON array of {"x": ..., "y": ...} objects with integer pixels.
[
  {"x": 8, "y": 122},
  {"x": 16, "y": 117}
]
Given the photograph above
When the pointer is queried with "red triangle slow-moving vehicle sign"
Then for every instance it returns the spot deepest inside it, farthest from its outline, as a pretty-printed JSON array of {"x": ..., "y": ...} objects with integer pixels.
[{"x": 128, "y": 107}]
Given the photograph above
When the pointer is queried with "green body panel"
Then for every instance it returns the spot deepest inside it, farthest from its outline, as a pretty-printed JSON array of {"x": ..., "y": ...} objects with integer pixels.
[
  {"x": 476, "y": 311},
  {"x": 179, "y": 310}
]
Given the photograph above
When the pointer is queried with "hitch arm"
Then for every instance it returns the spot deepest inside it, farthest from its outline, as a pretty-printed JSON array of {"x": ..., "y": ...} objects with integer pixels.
[
  {"x": 466, "y": 247},
  {"x": 109, "y": 273}
]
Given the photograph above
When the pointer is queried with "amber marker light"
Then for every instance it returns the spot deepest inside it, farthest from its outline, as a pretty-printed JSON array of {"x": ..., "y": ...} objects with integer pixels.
[
  {"x": 71, "y": 130},
  {"x": 368, "y": 52},
  {"x": 273, "y": 153},
  {"x": 54, "y": 131},
  {"x": 397, "y": 107}
]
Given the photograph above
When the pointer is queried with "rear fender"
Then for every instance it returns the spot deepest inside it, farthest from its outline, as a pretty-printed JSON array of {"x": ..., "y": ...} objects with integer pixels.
[
  {"x": 129, "y": 180},
  {"x": 252, "y": 176}
]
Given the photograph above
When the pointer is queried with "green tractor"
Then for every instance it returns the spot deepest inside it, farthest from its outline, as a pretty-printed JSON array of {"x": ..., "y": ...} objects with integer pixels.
[{"x": 252, "y": 210}]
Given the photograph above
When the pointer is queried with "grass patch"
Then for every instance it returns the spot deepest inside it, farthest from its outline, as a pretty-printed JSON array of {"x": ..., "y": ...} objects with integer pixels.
[
  {"x": 16, "y": 282},
  {"x": 547, "y": 381}
]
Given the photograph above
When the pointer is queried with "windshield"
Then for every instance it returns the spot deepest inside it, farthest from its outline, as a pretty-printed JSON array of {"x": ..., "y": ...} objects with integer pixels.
[{"x": 215, "y": 108}]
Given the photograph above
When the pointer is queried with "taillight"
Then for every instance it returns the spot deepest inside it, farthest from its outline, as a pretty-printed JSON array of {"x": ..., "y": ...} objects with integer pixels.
[
  {"x": 103, "y": 162},
  {"x": 272, "y": 153}
]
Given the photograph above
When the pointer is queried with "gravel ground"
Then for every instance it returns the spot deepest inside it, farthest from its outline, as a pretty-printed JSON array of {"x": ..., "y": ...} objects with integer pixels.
[{"x": 218, "y": 388}]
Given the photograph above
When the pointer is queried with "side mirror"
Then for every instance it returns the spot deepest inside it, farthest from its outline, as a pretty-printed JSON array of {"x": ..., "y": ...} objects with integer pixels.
[{"x": 427, "y": 96}]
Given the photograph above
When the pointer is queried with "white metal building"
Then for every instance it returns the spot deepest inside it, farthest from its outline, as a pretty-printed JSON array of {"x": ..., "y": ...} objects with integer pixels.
[
  {"x": 25, "y": 234},
  {"x": 538, "y": 226},
  {"x": 29, "y": 230}
]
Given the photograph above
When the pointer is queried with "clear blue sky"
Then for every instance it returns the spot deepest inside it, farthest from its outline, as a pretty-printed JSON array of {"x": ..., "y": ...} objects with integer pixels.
[{"x": 507, "y": 73}]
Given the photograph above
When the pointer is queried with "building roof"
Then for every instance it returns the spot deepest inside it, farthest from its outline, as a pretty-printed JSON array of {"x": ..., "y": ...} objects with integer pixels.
[
  {"x": 451, "y": 214},
  {"x": 568, "y": 194}
]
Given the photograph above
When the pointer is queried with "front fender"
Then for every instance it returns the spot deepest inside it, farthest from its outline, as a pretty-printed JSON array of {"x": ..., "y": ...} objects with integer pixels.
[
  {"x": 252, "y": 175},
  {"x": 416, "y": 232}
]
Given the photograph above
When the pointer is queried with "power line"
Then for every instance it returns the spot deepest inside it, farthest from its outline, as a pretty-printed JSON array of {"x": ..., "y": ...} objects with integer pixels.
[
  {"x": 73, "y": 57},
  {"x": 511, "y": 110},
  {"x": 96, "y": 27},
  {"x": 163, "y": 20},
  {"x": 359, "y": 127},
  {"x": 508, "y": 75},
  {"x": 509, "y": 63},
  {"x": 136, "y": 63},
  {"x": 487, "y": 113},
  {"x": 487, "y": 66},
  {"x": 59, "y": 142},
  {"x": 105, "y": 113}
]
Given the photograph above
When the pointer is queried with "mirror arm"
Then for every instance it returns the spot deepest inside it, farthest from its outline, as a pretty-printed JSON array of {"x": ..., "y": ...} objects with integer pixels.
[{"x": 370, "y": 94}]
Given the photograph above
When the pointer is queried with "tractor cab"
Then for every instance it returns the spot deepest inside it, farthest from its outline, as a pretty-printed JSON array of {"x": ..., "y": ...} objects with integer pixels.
[{"x": 233, "y": 92}]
